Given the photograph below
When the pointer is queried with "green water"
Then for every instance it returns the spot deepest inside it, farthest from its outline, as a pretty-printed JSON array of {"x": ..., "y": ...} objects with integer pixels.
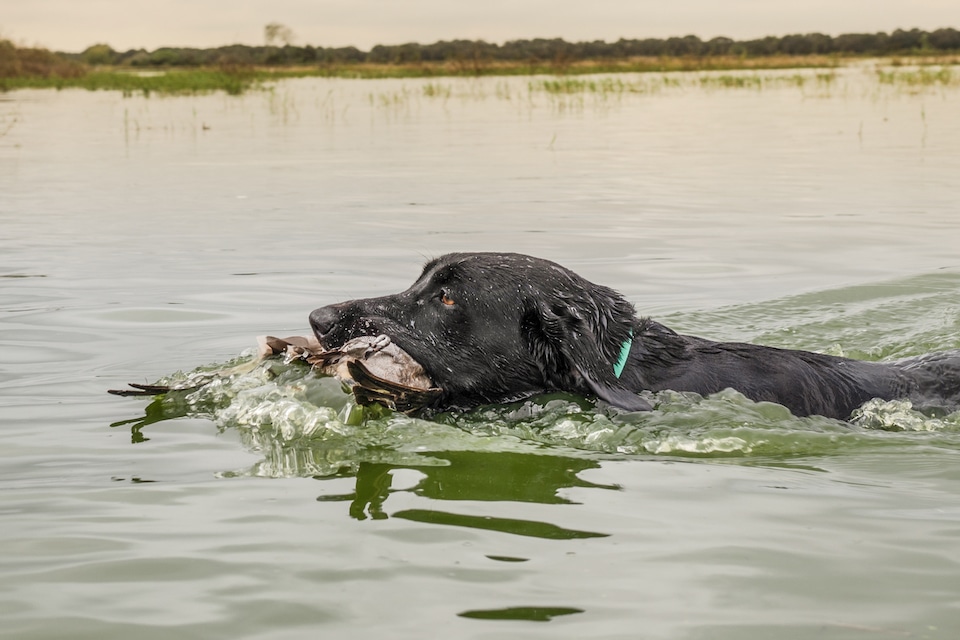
[{"x": 141, "y": 237}]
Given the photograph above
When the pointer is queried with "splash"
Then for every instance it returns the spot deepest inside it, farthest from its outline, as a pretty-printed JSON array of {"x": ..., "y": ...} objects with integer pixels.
[
  {"x": 309, "y": 424},
  {"x": 899, "y": 415}
]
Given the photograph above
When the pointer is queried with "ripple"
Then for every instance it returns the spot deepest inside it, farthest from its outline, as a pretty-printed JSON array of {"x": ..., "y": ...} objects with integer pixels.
[{"x": 150, "y": 315}]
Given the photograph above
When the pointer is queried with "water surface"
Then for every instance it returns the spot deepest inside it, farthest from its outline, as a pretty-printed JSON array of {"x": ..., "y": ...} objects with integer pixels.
[{"x": 145, "y": 236}]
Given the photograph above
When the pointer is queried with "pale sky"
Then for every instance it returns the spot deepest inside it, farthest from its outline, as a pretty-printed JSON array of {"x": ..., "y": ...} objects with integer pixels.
[{"x": 73, "y": 25}]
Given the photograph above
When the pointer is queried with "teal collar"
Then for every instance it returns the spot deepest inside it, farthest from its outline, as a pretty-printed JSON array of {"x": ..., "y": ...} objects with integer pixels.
[{"x": 624, "y": 353}]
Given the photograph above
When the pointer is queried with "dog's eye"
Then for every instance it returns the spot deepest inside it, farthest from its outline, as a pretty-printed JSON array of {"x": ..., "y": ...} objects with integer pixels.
[{"x": 446, "y": 299}]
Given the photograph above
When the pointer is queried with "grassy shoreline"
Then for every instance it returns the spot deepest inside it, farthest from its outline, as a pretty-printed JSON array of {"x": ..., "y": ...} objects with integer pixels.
[{"x": 235, "y": 80}]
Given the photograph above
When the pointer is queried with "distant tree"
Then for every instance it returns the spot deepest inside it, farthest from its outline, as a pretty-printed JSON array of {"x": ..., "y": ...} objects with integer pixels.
[
  {"x": 686, "y": 46},
  {"x": 167, "y": 56},
  {"x": 345, "y": 54},
  {"x": 406, "y": 53},
  {"x": 99, "y": 54},
  {"x": 903, "y": 41},
  {"x": 820, "y": 43},
  {"x": 379, "y": 54},
  {"x": 945, "y": 40},
  {"x": 862, "y": 43},
  {"x": 132, "y": 58},
  {"x": 277, "y": 34},
  {"x": 795, "y": 45},
  {"x": 475, "y": 56},
  {"x": 719, "y": 46},
  {"x": 238, "y": 54},
  {"x": 764, "y": 47}
]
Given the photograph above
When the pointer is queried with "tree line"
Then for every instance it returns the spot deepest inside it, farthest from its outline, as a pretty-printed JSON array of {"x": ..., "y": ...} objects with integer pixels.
[{"x": 556, "y": 50}]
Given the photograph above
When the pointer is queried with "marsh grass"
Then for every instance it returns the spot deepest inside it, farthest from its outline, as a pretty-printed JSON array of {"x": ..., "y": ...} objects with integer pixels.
[
  {"x": 918, "y": 78},
  {"x": 572, "y": 68},
  {"x": 732, "y": 82},
  {"x": 437, "y": 90},
  {"x": 390, "y": 99},
  {"x": 605, "y": 87},
  {"x": 758, "y": 81},
  {"x": 6, "y": 123},
  {"x": 233, "y": 82},
  {"x": 600, "y": 86}
]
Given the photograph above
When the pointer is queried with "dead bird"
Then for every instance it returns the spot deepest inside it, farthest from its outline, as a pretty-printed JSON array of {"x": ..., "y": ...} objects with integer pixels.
[{"x": 374, "y": 368}]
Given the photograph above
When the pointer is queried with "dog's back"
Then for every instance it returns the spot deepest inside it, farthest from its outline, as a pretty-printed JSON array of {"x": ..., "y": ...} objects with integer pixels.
[{"x": 937, "y": 380}]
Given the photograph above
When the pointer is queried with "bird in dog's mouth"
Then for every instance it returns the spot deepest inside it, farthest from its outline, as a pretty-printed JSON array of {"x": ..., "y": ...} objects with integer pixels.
[{"x": 374, "y": 368}]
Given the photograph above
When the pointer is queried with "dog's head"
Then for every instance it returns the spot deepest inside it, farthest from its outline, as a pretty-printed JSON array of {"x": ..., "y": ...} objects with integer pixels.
[{"x": 494, "y": 327}]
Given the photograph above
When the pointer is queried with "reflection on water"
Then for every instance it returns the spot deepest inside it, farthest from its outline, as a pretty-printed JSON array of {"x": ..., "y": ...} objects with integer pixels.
[
  {"x": 536, "y": 614},
  {"x": 475, "y": 476}
]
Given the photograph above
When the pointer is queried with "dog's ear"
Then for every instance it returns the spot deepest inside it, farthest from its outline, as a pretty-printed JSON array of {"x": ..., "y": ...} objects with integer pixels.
[{"x": 567, "y": 346}]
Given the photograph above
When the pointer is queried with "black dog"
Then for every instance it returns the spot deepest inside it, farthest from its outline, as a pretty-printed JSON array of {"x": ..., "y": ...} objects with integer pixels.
[{"x": 498, "y": 327}]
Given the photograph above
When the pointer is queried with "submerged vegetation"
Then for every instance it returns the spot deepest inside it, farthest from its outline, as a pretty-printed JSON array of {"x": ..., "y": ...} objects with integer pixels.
[
  {"x": 237, "y": 68},
  {"x": 922, "y": 77},
  {"x": 614, "y": 85}
]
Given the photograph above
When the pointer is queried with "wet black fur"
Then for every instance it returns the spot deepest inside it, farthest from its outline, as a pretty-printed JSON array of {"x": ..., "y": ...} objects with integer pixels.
[{"x": 520, "y": 325}]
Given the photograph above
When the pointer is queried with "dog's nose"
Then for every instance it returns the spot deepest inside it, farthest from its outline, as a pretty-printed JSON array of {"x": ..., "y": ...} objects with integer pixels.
[{"x": 323, "y": 320}]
